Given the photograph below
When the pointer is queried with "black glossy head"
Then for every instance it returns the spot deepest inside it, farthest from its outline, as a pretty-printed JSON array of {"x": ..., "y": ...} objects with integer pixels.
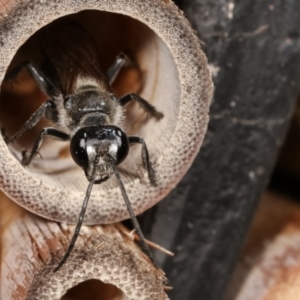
[{"x": 110, "y": 142}]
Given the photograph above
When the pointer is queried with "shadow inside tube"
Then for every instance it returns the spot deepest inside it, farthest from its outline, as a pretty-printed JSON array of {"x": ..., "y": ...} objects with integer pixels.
[{"x": 94, "y": 290}]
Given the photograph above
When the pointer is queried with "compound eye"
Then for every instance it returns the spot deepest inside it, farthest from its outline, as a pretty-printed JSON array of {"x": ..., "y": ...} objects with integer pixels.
[
  {"x": 78, "y": 149},
  {"x": 123, "y": 145}
]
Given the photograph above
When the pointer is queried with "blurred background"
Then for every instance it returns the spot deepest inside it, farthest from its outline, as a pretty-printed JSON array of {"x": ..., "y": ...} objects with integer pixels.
[{"x": 233, "y": 221}]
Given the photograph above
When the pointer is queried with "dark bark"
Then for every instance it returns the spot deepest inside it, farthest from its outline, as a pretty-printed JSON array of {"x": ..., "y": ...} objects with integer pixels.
[{"x": 204, "y": 220}]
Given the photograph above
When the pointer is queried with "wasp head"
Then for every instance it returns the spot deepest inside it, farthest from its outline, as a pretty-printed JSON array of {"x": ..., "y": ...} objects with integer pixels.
[{"x": 108, "y": 143}]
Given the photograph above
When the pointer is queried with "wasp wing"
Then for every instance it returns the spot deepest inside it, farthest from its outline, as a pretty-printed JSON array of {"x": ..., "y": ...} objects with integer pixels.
[{"x": 72, "y": 53}]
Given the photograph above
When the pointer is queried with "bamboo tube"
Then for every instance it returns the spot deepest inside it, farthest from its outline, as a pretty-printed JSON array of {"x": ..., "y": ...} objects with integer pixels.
[
  {"x": 269, "y": 267},
  {"x": 276, "y": 274},
  {"x": 175, "y": 79},
  {"x": 105, "y": 263}
]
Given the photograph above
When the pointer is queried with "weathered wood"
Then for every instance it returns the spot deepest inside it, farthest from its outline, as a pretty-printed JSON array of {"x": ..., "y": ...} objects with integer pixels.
[
  {"x": 274, "y": 214},
  {"x": 253, "y": 49},
  {"x": 275, "y": 273},
  {"x": 105, "y": 262}
]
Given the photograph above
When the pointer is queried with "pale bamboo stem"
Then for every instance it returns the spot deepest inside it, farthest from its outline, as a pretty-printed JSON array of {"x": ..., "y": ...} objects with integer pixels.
[{"x": 105, "y": 262}]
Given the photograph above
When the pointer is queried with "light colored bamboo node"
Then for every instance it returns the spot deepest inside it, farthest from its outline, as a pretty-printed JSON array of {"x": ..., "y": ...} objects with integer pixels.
[
  {"x": 174, "y": 77},
  {"x": 275, "y": 274},
  {"x": 105, "y": 264}
]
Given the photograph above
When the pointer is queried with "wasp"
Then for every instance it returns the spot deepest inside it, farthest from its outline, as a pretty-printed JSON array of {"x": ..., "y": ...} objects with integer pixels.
[{"x": 81, "y": 101}]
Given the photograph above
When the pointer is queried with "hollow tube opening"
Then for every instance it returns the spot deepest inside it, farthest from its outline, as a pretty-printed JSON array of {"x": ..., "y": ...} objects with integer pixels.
[
  {"x": 94, "y": 289},
  {"x": 155, "y": 79}
]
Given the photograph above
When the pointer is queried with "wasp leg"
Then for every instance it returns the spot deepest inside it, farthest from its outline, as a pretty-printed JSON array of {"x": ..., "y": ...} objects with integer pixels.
[
  {"x": 143, "y": 103},
  {"x": 54, "y": 133},
  {"x": 133, "y": 218},
  {"x": 46, "y": 108},
  {"x": 120, "y": 61},
  {"x": 42, "y": 81},
  {"x": 145, "y": 156}
]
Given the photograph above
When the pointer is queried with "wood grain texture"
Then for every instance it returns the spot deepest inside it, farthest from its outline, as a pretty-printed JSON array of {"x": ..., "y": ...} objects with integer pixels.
[
  {"x": 275, "y": 274},
  {"x": 253, "y": 48},
  {"x": 6, "y": 6},
  {"x": 105, "y": 262}
]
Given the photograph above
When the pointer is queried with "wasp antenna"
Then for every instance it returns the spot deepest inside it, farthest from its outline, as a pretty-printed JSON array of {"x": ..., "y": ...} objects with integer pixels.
[
  {"x": 81, "y": 217},
  {"x": 133, "y": 218}
]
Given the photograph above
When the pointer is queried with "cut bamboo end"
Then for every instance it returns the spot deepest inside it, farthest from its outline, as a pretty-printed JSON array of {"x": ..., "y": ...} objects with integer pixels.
[
  {"x": 105, "y": 263},
  {"x": 275, "y": 275},
  {"x": 175, "y": 79}
]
